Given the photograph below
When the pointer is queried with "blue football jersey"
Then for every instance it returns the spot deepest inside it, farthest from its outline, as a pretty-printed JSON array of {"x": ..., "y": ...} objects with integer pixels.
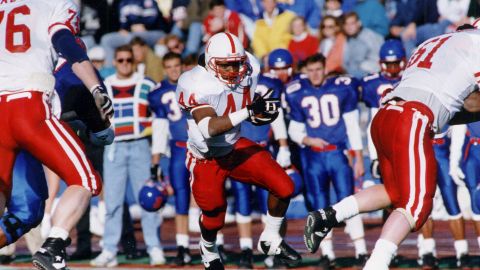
[
  {"x": 163, "y": 102},
  {"x": 261, "y": 133},
  {"x": 372, "y": 87},
  {"x": 321, "y": 108},
  {"x": 474, "y": 129},
  {"x": 65, "y": 79}
]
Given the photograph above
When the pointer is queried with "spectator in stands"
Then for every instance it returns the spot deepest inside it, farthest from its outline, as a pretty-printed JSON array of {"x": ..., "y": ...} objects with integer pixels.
[
  {"x": 307, "y": 9},
  {"x": 272, "y": 30},
  {"x": 197, "y": 11},
  {"x": 332, "y": 43},
  {"x": 433, "y": 18},
  {"x": 97, "y": 56},
  {"x": 93, "y": 21},
  {"x": 173, "y": 14},
  {"x": 372, "y": 14},
  {"x": 221, "y": 19},
  {"x": 146, "y": 61},
  {"x": 404, "y": 14},
  {"x": 302, "y": 43},
  {"x": 348, "y": 5},
  {"x": 137, "y": 18},
  {"x": 128, "y": 159},
  {"x": 332, "y": 8},
  {"x": 170, "y": 43},
  {"x": 249, "y": 12},
  {"x": 190, "y": 61},
  {"x": 174, "y": 44},
  {"x": 361, "y": 52}
]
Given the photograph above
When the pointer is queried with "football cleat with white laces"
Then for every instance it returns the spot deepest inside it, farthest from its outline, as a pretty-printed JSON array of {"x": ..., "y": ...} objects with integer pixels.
[
  {"x": 51, "y": 256},
  {"x": 319, "y": 224}
]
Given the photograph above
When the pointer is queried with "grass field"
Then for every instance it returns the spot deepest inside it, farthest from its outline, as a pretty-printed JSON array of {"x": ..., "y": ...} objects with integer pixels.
[{"x": 342, "y": 244}]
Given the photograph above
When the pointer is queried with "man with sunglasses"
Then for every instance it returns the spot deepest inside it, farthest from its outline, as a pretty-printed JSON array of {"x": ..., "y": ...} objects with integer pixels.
[
  {"x": 217, "y": 98},
  {"x": 128, "y": 158}
]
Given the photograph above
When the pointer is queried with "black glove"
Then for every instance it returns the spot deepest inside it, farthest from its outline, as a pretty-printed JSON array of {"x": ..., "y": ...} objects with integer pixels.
[
  {"x": 155, "y": 174},
  {"x": 103, "y": 102},
  {"x": 263, "y": 110},
  {"x": 375, "y": 169}
]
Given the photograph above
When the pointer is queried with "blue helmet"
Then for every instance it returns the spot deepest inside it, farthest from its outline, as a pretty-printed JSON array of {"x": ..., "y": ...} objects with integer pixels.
[
  {"x": 280, "y": 58},
  {"x": 392, "y": 51},
  {"x": 153, "y": 196},
  {"x": 392, "y": 58}
]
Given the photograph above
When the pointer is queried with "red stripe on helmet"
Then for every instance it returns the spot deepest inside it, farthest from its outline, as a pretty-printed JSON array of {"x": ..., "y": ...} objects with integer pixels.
[
  {"x": 476, "y": 23},
  {"x": 231, "y": 42}
]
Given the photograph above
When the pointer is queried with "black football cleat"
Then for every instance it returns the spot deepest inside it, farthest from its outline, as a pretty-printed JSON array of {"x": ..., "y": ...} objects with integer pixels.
[
  {"x": 214, "y": 265},
  {"x": 429, "y": 262},
  {"x": 463, "y": 262},
  {"x": 211, "y": 259},
  {"x": 51, "y": 256},
  {"x": 283, "y": 252},
  {"x": 319, "y": 224},
  {"x": 183, "y": 256},
  {"x": 246, "y": 259},
  {"x": 362, "y": 260},
  {"x": 6, "y": 259},
  {"x": 326, "y": 263}
]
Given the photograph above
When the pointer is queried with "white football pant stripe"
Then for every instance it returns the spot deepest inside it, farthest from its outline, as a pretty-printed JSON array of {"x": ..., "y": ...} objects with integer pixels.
[{"x": 413, "y": 152}]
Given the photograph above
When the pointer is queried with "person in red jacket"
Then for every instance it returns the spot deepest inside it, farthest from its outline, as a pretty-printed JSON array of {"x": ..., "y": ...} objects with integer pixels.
[
  {"x": 221, "y": 19},
  {"x": 302, "y": 44}
]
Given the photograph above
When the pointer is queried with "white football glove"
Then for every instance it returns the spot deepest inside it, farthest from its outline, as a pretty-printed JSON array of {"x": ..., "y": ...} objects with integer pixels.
[
  {"x": 283, "y": 156},
  {"x": 457, "y": 175}
]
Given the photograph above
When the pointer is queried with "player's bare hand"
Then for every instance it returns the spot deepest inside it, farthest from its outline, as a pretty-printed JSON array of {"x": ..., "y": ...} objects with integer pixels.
[
  {"x": 103, "y": 102},
  {"x": 358, "y": 169},
  {"x": 315, "y": 142}
]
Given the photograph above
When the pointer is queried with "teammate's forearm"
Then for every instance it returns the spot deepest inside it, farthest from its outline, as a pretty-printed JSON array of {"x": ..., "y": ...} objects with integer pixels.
[{"x": 86, "y": 73}]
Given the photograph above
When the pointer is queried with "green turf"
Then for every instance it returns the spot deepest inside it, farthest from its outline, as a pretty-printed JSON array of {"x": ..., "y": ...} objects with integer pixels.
[{"x": 233, "y": 258}]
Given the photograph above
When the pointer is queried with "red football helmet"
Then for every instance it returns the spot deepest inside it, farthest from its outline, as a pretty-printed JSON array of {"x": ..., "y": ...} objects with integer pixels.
[{"x": 225, "y": 57}]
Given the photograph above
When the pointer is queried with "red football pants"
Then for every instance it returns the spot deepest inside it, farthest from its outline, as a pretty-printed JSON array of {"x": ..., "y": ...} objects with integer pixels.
[
  {"x": 27, "y": 123},
  {"x": 249, "y": 163},
  {"x": 402, "y": 135}
]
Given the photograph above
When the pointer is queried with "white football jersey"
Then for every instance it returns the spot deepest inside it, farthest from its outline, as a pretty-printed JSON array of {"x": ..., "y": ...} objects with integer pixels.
[
  {"x": 448, "y": 68},
  {"x": 198, "y": 88},
  {"x": 26, "y": 29}
]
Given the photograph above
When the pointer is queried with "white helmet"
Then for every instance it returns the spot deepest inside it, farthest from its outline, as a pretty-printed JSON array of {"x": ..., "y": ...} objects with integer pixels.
[{"x": 225, "y": 48}]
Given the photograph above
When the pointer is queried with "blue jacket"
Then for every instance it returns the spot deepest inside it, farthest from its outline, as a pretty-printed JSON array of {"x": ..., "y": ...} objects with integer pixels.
[
  {"x": 246, "y": 8},
  {"x": 307, "y": 9},
  {"x": 405, "y": 12},
  {"x": 373, "y": 16},
  {"x": 139, "y": 12}
]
